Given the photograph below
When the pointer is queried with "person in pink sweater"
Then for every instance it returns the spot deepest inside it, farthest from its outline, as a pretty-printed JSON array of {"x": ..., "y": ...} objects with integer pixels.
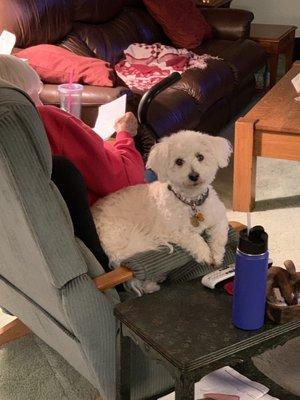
[
  {"x": 105, "y": 167},
  {"x": 84, "y": 166}
]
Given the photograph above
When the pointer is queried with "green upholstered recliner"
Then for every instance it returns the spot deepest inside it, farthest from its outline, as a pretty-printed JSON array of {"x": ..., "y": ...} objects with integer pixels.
[
  {"x": 46, "y": 273},
  {"x": 50, "y": 280}
]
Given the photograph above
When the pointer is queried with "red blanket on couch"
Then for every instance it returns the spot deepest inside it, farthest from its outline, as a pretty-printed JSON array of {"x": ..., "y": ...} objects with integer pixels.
[{"x": 147, "y": 64}]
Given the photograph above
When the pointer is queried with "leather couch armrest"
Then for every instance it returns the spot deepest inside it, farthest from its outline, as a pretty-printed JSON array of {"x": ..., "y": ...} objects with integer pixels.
[
  {"x": 228, "y": 23},
  {"x": 91, "y": 96}
]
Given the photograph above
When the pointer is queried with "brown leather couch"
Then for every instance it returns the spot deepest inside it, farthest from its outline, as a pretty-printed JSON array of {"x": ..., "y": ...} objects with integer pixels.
[{"x": 202, "y": 99}]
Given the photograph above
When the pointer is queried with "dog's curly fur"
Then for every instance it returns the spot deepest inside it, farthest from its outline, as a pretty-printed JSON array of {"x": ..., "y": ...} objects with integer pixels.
[{"x": 144, "y": 217}]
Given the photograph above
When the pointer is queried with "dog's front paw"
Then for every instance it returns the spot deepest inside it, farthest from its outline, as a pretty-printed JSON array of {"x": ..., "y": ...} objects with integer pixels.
[
  {"x": 141, "y": 287},
  {"x": 204, "y": 255},
  {"x": 150, "y": 286},
  {"x": 217, "y": 258}
]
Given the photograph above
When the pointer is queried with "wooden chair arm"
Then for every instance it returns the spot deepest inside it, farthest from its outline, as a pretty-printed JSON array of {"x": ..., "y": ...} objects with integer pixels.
[
  {"x": 123, "y": 274},
  {"x": 237, "y": 226},
  {"x": 113, "y": 278}
]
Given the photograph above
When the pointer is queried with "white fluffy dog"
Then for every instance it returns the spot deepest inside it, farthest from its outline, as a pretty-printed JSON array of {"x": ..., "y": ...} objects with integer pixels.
[{"x": 175, "y": 209}]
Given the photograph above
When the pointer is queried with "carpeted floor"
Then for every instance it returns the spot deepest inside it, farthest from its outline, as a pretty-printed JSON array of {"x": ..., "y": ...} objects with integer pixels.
[
  {"x": 31, "y": 370},
  {"x": 282, "y": 365}
]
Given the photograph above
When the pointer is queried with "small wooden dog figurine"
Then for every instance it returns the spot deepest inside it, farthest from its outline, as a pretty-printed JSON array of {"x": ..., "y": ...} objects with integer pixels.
[{"x": 288, "y": 282}]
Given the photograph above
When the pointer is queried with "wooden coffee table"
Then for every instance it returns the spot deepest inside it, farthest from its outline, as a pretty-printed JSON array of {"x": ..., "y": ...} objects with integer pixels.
[
  {"x": 275, "y": 39},
  {"x": 270, "y": 129}
]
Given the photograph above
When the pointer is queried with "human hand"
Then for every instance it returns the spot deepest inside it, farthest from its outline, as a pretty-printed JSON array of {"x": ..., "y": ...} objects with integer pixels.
[{"x": 127, "y": 123}]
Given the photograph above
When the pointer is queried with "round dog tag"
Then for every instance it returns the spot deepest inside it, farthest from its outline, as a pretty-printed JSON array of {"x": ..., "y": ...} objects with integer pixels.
[
  {"x": 199, "y": 217},
  {"x": 194, "y": 221}
]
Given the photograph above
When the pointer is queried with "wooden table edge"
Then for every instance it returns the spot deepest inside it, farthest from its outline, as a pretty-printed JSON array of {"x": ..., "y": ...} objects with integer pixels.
[{"x": 275, "y": 40}]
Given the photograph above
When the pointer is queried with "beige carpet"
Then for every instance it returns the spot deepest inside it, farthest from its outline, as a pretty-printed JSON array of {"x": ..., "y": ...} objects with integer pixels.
[
  {"x": 31, "y": 370},
  {"x": 282, "y": 365},
  {"x": 278, "y": 204}
]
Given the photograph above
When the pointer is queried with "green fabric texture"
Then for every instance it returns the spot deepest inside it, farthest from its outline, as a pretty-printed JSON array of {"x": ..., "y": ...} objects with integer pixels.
[
  {"x": 178, "y": 264},
  {"x": 45, "y": 272}
]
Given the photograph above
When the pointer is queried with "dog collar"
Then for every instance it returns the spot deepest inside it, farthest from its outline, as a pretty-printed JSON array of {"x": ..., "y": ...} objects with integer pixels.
[
  {"x": 192, "y": 203},
  {"x": 197, "y": 216}
]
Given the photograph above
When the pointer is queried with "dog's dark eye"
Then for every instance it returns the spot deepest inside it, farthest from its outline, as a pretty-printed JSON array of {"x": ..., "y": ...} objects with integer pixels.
[
  {"x": 200, "y": 157},
  {"x": 179, "y": 161}
]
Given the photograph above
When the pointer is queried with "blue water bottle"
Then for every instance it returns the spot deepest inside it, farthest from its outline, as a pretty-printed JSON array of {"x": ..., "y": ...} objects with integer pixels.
[{"x": 251, "y": 268}]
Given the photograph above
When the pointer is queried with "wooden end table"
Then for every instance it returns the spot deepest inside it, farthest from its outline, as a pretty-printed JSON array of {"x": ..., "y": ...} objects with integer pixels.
[
  {"x": 187, "y": 328},
  {"x": 275, "y": 39},
  {"x": 214, "y": 3},
  {"x": 270, "y": 129}
]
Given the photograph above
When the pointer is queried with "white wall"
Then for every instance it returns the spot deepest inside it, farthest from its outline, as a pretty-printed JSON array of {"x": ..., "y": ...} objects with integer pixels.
[{"x": 284, "y": 12}]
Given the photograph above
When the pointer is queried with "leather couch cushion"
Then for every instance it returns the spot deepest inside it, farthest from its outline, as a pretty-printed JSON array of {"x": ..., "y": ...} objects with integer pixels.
[
  {"x": 55, "y": 65},
  {"x": 95, "y": 11},
  {"x": 108, "y": 41},
  {"x": 76, "y": 45},
  {"x": 171, "y": 111},
  {"x": 181, "y": 20},
  {"x": 208, "y": 85},
  {"x": 244, "y": 57},
  {"x": 35, "y": 21}
]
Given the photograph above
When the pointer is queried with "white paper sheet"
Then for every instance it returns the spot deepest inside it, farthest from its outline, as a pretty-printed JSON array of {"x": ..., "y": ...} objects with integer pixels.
[
  {"x": 7, "y": 42},
  {"x": 108, "y": 114},
  {"x": 228, "y": 381},
  {"x": 296, "y": 83}
]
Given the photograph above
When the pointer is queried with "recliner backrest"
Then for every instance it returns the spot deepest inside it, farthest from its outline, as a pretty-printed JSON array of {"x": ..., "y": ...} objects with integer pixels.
[{"x": 38, "y": 251}]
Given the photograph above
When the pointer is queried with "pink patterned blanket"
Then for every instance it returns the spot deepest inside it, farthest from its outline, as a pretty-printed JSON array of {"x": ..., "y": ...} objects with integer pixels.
[{"x": 145, "y": 65}]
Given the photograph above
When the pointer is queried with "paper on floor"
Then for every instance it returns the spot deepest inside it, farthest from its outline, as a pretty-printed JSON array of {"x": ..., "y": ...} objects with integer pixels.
[
  {"x": 228, "y": 381},
  {"x": 7, "y": 42},
  {"x": 108, "y": 114}
]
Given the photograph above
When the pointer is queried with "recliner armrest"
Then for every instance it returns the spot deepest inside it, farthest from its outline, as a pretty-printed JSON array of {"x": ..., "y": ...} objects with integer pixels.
[
  {"x": 123, "y": 274},
  {"x": 228, "y": 23},
  {"x": 113, "y": 278}
]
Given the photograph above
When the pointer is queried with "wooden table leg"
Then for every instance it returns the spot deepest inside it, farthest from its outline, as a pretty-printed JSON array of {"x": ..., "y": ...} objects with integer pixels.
[
  {"x": 273, "y": 66},
  {"x": 244, "y": 172},
  {"x": 12, "y": 331},
  {"x": 289, "y": 52},
  {"x": 184, "y": 388},
  {"x": 123, "y": 368}
]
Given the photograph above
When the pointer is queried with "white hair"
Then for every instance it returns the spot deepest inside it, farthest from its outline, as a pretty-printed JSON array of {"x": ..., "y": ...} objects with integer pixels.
[{"x": 20, "y": 74}]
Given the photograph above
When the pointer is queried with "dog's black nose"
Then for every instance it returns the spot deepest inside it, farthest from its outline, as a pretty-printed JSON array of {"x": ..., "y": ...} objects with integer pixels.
[{"x": 193, "y": 176}]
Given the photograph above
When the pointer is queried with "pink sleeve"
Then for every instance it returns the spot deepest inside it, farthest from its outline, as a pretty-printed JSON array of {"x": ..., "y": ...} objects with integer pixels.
[
  {"x": 105, "y": 168},
  {"x": 131, "y": 158}
]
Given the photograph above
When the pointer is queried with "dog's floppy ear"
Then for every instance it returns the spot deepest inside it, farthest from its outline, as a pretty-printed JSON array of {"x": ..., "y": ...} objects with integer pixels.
[
  {"x": 157, "y": 160},
  {"x": 222, "y": 150}
]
